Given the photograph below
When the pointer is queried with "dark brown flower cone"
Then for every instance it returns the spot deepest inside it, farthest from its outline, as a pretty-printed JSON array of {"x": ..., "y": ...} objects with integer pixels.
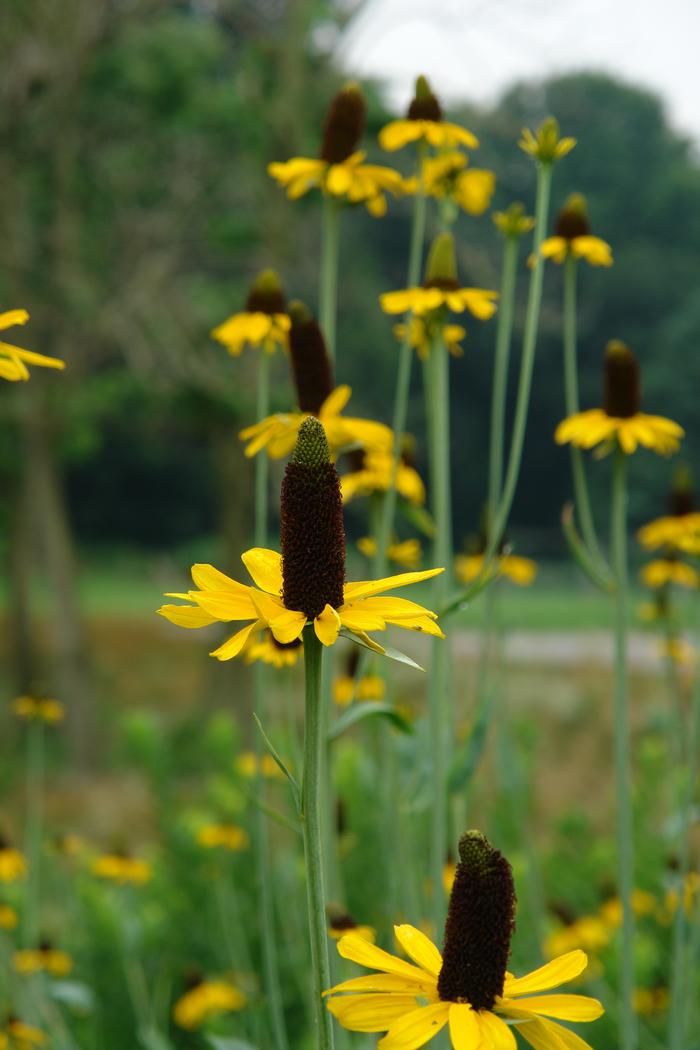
[
  {"x": 311, "y": 365},
  {"x": 622, "y": 384},
  {"x": 344, "y": 125}
]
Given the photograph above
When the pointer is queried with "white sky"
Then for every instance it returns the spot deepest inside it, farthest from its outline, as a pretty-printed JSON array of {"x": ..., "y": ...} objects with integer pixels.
[{"x": 473, "y": 49}]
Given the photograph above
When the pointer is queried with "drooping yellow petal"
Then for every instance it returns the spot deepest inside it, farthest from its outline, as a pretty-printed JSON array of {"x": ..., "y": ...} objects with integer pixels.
[
  {"x": 419, "y": 948},
  {"x": 12, "y": 368},
  {"x": 495, "y": 1033},
  {"x": 186, "y": 615},
  {"x": 538, "y": 1034},
  {"x": 416, "y": 1028},
  {"x": 370, "y": 1013},
  {"x": 226, "y": 605},
  {"x": 235, "y": 643},
  {"x": 386, "y": 982},
  {"x": 559, "y": 971},
  {"x": 365, "y": 588},
  {"x": 564, "y": 1007},
  {"x": 594, "y": 250},
  {"x": 12, "y": 317},
  {"x": 338, "y": 179},
  {"x": 465, "y": 1031},
  {"x": 398, "y": 133},
  {"x": 355, "y": 617},
  {"x": 327, "y": 626},
  {"x": 554, "y": 248},
  {"x": 209, "y": 578},
  {"x": 32, "y": 358},
  {"x": 335, "y": 402},
  {"x": 360, "y": 951},
  {"x": 265, "y": 568}
]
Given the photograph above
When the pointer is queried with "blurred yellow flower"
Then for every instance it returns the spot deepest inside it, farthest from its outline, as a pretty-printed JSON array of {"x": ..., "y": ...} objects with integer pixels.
[
  {"x": 9, "y": 919},
  {"x": 545, "y": 145},
  {"x": 424, "y": 123},
  {"x": 589, "y": 933},
  {"x": 421, "y": 334},
  {"x": 670, "y": 531},
  {"x": 43, "y": 959},
  {"x": 16, "y": 1035},
  {"x": 421, "y": 300},
  {"x": 521, "y": 571},
  {"x": 340, "y": 923},
  {"x": 448, "y": 176},
  {"x": 278, "y": 434},
  {"x": 406, "y": 553},
  {"x": 643, "y": 903},
  {"x": 375, "y": 475},
  {"x": 13, "y": 866},
  {"x": 247, "y": 765},
  {"x": 207, "y": 999},
  {"x": 513, "y": 222},
  {"x": 351, "y": 180},
  {"x": 679, "y": 650},
  {"x": 13, "y": 359},
  {"x": 225, "y": 836},
  {"x": 121, "y": 869},
  {"x": 343, "y": 690},
  {"x": 650, "y": 1001},
  {"x": 264, "y": 647},
  {"x": 30, "y": 708},
  {"x": 371, "y": 687},
  {"x": 572, "y": 236},
  {"x": 263, "y": 323},
  {"x": 662, "y": 571}
]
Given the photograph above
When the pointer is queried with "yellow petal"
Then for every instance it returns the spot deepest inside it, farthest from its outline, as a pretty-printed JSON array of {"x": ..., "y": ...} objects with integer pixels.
[
  {"x": 563, "y": 1007},
  {"x": 32, "y": 358},
  {"x": 396, "y": 608},
  {"x": 419, "y": 948},
  {"x": 338, "y": 179},
  {"x": 385, "y": 982},
  {"x": 554, "y": 248},
  {"x": 335, "y": 402},
  {"x": 12, "y": 368},
  {"x": 365, "y": 588},
  {"x": 416, "y": 1028},
  {"x": 538, "y": 1034},
  {"x": 399, "y": 133},
  {"x": 226, "y": 605},
  {"x": 12, "y": 317},
  {"x": 360, "y": 951},
  {"x": 327, "y": 626},
  {"x": 186, "y": 615},
  {"x": 593, "y": 250},
  {"x": 465, "y": 1031},
  {"x": 495, "y": 1034},
  {"x": 356, "y": 618},
  {"x": 209, "y": 578},
  {"x": 370, "y": 1013},
  {"x": 559, "y": 971},
  {"x": 235, "y": 643},
  {"x": 265, "y": 568}
]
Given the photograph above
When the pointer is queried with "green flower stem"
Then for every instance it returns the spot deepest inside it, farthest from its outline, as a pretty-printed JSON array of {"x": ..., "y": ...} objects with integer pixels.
[
  {"x": 270, "y": 958},
  {"x": 328, "y": 286},
  {"x": 683, "y": 953},
  {"x": 311, "y": 826},
  {"x": 500, "y": 373},
  {"x": 571, "y": 397},
  {"x": 441, "y": 701},
  {"x": 532, "y": 317},
  {"x": 403, "y": 375},
  {"x": 625, "y": 820},
  {"x": 34, "y": 826}
]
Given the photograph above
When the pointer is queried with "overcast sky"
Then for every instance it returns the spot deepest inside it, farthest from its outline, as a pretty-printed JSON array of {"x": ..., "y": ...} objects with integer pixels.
[{"x": 472, "y": 49}]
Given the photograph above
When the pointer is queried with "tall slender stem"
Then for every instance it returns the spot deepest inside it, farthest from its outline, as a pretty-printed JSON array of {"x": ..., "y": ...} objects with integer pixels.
[
  {"x": 571, "y": 397},
  {"x": 403, "y": 375},
  {"x": 311, "y": 826},
  {"x": 504, "y": 333},
  {"x": 270, "y": 958},
  {"x": 532, "y": 317},
  {"x": 328, "y": 286},
  {"x": 34, "y": 825},
  {"x": 441, "y": 708},
  {"x": 625, "y": 819}
]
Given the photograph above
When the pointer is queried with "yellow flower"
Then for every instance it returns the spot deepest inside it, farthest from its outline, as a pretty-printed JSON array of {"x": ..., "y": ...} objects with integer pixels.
[
  {"x": 589, "y": 933},
  {"x": 650, "y": 1001},
  {"x": 375, "y": 476},
  {"x": 9, "y": 919},
  {"x": 678, "y": 650},
  {"x": 226, "y": 836},
  {"x": 513, "y": 222},
  {"x": 43, "y": 959},
  {"x": 371, "y": 687},
  {"x": 407, "y": 553},
  {"x": 13, "y": 866},
  {"x": 121, "y": 869},
  {"x": 13, "y": 359},
  {"x": 340, "y": 923},
  {"x": 545, "y": 145},
  {"x": 351, "y": 180},
  {"x": 424, "y": 123},
  {"x": 420, "y": 332},
  {"x": 219, "y": 598},
  {"x": 205, "y": 1000},
  {"x": 247, "y": 765},
  {"x": 264, "y": 647},
  {"x": 620, "y": 420},
  {"x": 572, "y": 236},
  {"x": 668, "y": 570},
  {"x": 690, "y": 891},
  {"x": 447, "y": 175},
  {"x": 521, "y": 571},
  {"x": 278, "y": 434},
  {"x": 670, "y": 531},
  {"x": 30, "y": 708},
  {"x": 16, "y": 1035},
  {"x": 343, "y": 690},
  {"x": 467, "y": 986},
  {"x": 643, "y": 903}
]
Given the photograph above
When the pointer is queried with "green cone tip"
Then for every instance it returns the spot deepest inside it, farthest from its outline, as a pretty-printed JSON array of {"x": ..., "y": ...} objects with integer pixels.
[
  {"x": 616, "y": 350},
  {"x": 442, "y": 260},
  {"x": 423, "y": 88},
  {"x": 576, "y": 203},
  {"x": 299, "y": 312},
  {"x": 312, "y": 444},
  {"x": 476, "y": 851},
  {"x": 267, "y": 281},
  {"x": 351, "y": 87}
]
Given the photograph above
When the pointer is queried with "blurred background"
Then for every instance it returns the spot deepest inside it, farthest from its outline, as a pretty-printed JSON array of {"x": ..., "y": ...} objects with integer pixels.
[{"x": 135, "y": 210}]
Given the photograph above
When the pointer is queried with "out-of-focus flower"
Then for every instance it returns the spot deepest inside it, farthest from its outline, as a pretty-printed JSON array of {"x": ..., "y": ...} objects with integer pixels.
[
  {"x": 406, "y": 553},
  {"x": 513, "y": 222},
  {"x": 122, "y": 869},
  {"x": 340, "y": 923},
  {"x": 263, "y": 323},
  {"x": 643, "y": 903},
  {"x": 13, "y": 359},
  {"x": 16, "y": 1035},
  {"x": 206, "y": 999},
  {"x": 620, "y": 419},
  {"x": 521, "y": 571},
  {"x": 650, "y": 1001},
  {"x": 546, "y": 145},
  {"x": 266, "y": 648},
  {"x": 9, "y": 919},
  {"x": 421, "y": 334},
  {"x": 375, "y": 475},
  {"x": 223, "y": 836},
  {"x": 572, "y": 236},
  {"x": 13, "y": 866},
  {"x": 682, "y": 521},
  {"x": 424, "y": 122},
  {"x": 448, "y": 176},
  {"x": 43, "y": 959},
  {"x": 663, "y": 571},
  {"x": 589, "y": 933},
  {"x": 247, "y": 766},
  {"x": 38, "y": 709}
]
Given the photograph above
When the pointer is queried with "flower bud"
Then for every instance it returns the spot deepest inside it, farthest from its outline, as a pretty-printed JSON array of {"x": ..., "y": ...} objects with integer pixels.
[
  {"x": 513, "y": 222},
  {"x": 441, "y": 268}
]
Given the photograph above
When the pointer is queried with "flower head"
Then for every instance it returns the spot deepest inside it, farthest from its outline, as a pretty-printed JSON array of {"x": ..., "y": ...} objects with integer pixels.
[
  {"x": 406, "y": 553},
  {"x": 13, "y": 359},
  {"x": 247, "y": 765},
  {"x": 340, "y": 923},
  {"x": 42, "y": 959},
  {"x": 441, "y": 290},
  {"x": 223, "y": 836},
  {"x": 306, "y": 583},
  {"x": 16, "y": 1035},
  {"x": 448, "y": 176},
  {"x": 545, "y": 145},
  {"x": 572, "y": 236},
  {"x": 9, "y": 919},
  {"x": 340, "y": 170},
  {"x": 13, "y": 866},
  {"x": 373, "y": 472},
  {"x": 521, "y": 571},
  {"x": 263, "y": 323},
  {"x": 620, "y": 419},
  {"x": 316, "y": 396},
  {"x": 682, "y": 522},
  {"x": 421, "y": 330},
  {"x": 513, "y": 222},
  {"x": 266, "y": 648},
  {"x": 205, "y": 999},
  {"x": 121, "y": 869},
  {"x": 467, "y": 986},
  {"x": 424, "y": 123},
  {"x": 662, "y": 571},
  {"x": 38, "y": 709}
]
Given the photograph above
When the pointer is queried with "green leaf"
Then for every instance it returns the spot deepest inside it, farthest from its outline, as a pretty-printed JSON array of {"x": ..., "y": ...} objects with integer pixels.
[
  {"x": 270, "y": 811},
  {"x": 392, "y": 654},
  {"x": 419, "y": 517},
  {"x": 367, "y": 709},
  {"x": 280, "y": 762}
]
